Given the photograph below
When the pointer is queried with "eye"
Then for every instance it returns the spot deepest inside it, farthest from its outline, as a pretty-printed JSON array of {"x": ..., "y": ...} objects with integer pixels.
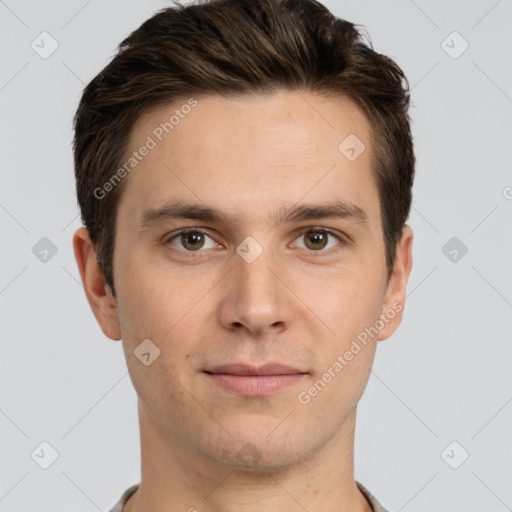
[
  {"x": 191, "y": 240},
  {"x": 317, "y": 239}
]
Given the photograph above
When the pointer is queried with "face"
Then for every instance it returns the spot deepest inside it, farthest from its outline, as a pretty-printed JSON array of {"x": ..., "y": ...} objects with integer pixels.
[{"x": 281, "y": 274}]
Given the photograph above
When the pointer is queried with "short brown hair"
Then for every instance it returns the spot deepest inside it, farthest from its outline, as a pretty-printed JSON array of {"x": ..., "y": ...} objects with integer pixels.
[{"x": 233, "y": 47}]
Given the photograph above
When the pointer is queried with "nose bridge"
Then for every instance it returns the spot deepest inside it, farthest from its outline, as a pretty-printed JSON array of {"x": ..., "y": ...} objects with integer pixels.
[
  {"x": 257, "y": 300},
  {"x": 253, "y": 274}
]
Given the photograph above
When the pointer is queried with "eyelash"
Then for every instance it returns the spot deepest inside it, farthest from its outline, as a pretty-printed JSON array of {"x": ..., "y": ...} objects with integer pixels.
[{"x": 302, "y": 233}]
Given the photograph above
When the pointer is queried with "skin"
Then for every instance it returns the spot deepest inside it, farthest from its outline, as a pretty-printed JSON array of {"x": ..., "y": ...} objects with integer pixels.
[{"x": 299, "y": 303}]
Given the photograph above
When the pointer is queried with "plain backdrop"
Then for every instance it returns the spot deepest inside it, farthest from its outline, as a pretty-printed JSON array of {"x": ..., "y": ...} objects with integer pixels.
[{"x": 434, "y": 423}]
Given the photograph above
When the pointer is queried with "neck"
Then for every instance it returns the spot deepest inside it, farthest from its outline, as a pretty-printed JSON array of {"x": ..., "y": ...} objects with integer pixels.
[{"x": 177, "y": 476}]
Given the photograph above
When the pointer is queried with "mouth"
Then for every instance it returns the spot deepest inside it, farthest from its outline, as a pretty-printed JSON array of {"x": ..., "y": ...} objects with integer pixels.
[{"x": 250, "y": 380}]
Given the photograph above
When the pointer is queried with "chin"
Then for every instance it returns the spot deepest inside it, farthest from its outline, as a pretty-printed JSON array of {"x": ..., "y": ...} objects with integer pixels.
[{"x": 259, "y": 455}]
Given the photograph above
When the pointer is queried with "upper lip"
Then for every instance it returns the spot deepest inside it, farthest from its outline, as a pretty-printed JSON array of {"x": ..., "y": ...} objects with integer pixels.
[{"x": 245, "y": 369}]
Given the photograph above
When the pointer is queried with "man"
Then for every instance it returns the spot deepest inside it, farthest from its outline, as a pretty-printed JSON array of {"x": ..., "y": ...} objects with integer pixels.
[{"x": 244, "y": 171}]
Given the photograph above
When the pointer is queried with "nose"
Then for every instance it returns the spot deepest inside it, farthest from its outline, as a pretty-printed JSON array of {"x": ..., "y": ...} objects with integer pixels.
[{"x": 254, "y": 296}]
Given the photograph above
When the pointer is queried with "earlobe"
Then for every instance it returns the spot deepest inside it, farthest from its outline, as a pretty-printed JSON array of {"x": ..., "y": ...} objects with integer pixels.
[
  {"x": 98, "y": 293},
  {"x": 394, "y": 301}
]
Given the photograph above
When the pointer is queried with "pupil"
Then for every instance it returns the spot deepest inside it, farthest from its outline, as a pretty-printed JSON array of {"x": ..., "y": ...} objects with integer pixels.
[
  {"x": 192, "y": 239},
  {"x": 316, "y": 238}
]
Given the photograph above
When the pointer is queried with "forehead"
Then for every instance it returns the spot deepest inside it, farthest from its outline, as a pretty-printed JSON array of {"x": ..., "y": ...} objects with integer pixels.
[{"x": 252, "y": 150}]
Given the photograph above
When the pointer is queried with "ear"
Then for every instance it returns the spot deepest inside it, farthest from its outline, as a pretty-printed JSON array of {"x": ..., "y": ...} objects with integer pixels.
[
  {"x": 394, "y": 299},
  {"x": 98, "y": 293}
]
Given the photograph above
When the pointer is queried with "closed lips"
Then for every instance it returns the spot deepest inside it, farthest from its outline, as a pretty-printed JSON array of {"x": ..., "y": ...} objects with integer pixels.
[{"x": 242, "y": 369}]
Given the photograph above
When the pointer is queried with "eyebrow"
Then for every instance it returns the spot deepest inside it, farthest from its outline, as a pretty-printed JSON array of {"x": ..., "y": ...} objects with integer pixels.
[{"x": 196, "y": 211}]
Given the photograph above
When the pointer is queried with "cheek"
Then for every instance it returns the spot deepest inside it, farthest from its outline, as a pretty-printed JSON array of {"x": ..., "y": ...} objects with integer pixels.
[
  {"x": 346, "y": 305},
  {"x": 163, "y": 306},
  {"x": 158, "y": 306},
  {"x": 151, "y": 299},
  {"x": 350, "y": 309}
]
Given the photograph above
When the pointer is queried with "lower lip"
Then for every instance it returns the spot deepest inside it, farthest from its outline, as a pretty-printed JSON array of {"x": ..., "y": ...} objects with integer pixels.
[{"x": 255, "y": 385}]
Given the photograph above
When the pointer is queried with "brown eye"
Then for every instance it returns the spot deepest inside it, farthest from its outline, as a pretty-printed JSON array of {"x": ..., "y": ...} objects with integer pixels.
[
  {"x": 191, "y": 240},
  {"x": 318, "y": 239}
]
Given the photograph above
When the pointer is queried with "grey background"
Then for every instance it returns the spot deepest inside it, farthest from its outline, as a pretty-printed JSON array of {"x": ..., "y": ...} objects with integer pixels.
[{"x": 443, "y": 377}]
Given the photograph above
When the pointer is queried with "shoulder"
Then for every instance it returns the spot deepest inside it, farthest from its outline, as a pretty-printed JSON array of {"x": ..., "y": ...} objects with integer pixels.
[
  {"x": 118, "y": 507},
  {"x": 376, "y": 506}
]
